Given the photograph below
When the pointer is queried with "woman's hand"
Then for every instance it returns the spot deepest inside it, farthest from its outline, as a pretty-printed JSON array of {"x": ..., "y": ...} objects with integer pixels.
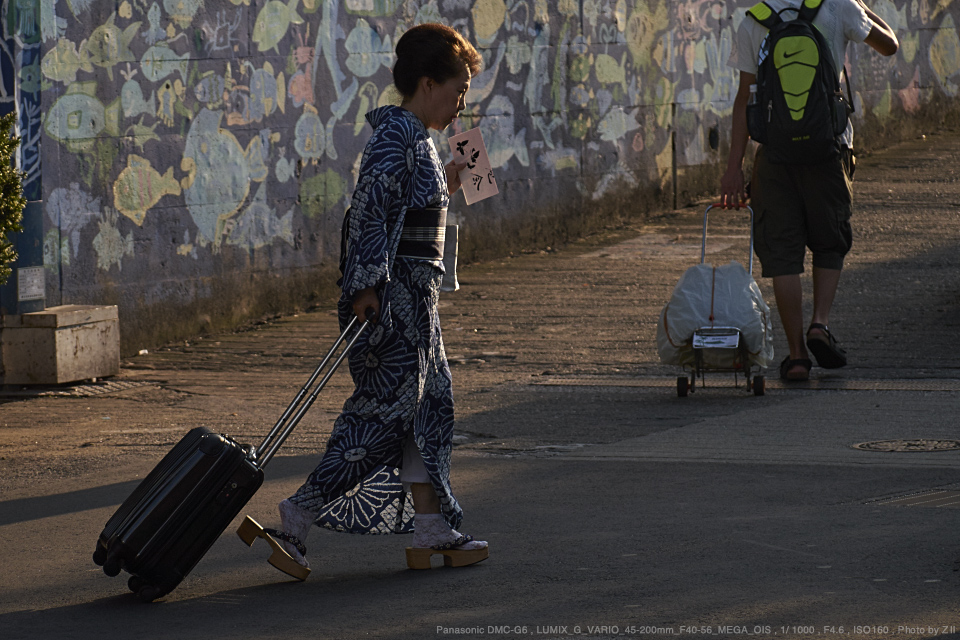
[
  {"x": 453, "y": 170},
  {"x": 366, "y": 299}
]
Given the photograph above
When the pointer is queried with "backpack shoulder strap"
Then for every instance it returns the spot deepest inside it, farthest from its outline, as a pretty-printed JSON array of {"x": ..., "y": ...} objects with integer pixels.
[
  {"x": 765, "y": 15},
  {"x": 809, "y": 9}
]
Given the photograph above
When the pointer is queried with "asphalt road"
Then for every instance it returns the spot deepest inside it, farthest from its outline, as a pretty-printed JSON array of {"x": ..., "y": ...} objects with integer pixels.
[{"x": 613, "y": 508}]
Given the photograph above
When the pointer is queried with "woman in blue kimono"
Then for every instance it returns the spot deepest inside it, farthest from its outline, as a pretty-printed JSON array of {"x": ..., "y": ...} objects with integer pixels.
[{"x": 395, "y": 434}]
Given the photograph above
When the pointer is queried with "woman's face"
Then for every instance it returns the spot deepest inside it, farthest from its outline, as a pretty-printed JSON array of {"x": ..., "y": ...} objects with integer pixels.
[{"x": 446, "y": 100}]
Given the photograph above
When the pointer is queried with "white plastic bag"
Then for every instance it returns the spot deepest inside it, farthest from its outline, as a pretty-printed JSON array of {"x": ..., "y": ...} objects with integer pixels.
[{"x": 731, "y": 296}]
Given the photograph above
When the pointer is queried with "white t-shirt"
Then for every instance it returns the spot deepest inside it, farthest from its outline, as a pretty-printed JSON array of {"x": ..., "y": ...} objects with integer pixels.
[{"x": 840, "y": 22}]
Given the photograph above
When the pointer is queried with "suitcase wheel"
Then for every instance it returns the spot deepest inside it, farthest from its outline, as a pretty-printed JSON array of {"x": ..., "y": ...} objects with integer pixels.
[
  {"x": 149, "y": 593},
  {"x": 135, "y": 583},
  {"x": 111, "y": 567},
  {"x": 99, "y": 556}
]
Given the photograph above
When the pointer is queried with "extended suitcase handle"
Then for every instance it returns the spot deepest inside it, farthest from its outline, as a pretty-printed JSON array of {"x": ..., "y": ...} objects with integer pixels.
[
  {"x": 703, "y": 246},
  {"x": 298, "y": 407}
]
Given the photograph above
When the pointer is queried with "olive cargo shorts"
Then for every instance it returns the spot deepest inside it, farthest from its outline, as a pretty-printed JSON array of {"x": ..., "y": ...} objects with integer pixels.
[{"x": 800, "y": 206}]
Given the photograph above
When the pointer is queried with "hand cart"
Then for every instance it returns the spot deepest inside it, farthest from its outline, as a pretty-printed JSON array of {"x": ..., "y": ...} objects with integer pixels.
[{"x": 721, "y": 349}]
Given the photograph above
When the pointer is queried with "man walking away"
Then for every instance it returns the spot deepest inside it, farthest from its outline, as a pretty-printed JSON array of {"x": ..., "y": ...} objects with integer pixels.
[{"x": 799, "y": 203}]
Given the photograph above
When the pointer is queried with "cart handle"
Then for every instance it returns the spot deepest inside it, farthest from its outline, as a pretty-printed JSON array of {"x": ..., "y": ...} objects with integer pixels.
[{"x": 703, "y": 246}]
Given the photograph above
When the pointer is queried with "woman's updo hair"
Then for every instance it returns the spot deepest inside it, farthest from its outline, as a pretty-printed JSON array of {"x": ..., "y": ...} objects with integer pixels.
[{"x": 435, "y": 51}]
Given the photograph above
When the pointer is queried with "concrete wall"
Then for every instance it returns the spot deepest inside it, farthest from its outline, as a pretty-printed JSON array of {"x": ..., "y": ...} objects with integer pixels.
[{"x": 197, "y": 155}]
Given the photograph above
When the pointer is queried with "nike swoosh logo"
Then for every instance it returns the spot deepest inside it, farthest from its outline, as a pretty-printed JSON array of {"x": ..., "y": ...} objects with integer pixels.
[{"x": 791, "y": 54}]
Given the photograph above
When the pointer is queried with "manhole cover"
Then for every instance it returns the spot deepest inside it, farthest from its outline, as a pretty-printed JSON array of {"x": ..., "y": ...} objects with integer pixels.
[{"x": 921, "y": 445}]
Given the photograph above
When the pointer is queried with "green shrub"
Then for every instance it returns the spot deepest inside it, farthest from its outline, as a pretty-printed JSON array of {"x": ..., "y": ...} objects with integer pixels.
[{"x": 12, "y": 201}]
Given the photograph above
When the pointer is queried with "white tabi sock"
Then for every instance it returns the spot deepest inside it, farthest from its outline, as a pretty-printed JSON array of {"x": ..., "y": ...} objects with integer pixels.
[
  {"x": 431, "y": 530},
  {"x": 296, "y": 522}
]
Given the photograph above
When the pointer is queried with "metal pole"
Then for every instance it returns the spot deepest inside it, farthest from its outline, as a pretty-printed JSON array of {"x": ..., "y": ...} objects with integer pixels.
[
  {"x": 313, "y": 396},
  {"x": 305, "y": 389}
]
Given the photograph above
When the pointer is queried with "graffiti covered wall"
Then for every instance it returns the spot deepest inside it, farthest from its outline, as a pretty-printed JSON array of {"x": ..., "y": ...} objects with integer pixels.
[{"x": 198, "y": 155}]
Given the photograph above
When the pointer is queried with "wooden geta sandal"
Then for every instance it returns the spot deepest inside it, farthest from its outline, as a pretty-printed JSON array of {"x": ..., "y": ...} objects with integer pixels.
[
  {"x": 250, "y": 530},
  {"x": 419, "y": 557}
]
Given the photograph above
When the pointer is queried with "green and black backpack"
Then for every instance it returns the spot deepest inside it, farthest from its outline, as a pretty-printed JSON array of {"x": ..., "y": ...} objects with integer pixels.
[{"x": 799, "y": 112}]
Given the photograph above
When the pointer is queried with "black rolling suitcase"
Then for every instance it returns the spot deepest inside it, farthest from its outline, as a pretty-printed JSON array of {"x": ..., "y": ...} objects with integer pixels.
[{"x": 183, "y": 505}]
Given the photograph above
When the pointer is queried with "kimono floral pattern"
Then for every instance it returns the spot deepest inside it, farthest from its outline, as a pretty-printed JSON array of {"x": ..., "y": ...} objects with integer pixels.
[{"x": 399, "y": 368}]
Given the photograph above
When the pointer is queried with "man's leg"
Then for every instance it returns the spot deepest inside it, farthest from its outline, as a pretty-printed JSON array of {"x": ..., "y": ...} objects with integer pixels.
[
  {"x": 829, "y": 208},
  {"x": 825, "y": 283},
  {"x": 789, "y": 296},
  {"x": 828, "y": 353}
]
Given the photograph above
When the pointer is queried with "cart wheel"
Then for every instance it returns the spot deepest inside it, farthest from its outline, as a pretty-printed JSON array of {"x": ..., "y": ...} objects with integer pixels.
[
  {"x": 758, "y": 385},
  {"x": 683, "y": 385}
]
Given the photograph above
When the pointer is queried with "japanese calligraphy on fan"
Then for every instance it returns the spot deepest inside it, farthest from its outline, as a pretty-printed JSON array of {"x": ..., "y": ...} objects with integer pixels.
[{"x": 477, "y": 178}]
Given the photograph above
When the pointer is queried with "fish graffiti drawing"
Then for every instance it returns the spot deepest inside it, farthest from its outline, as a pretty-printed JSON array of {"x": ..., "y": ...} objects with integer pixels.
[
  {"x": 159, "y": 61},
  {"x": 30, "y": 78},
  {"x": 617, "y": 123},
  {"x": 488, "y": 17},
  {"x": 272, "y": 23},
  {"x": 70, "y": 210},
  {"x": 141, "y": 133},
  {"x": 132, "y": 100},
  {"x": 108, "y": 45},
  {"x": 154, "y": 32},
  {"x": 218, "y": 175},
  {"x": 310, "y": 135},
  {"x": 62, "y": 62},
  {"x": 182, "y": 11},
  {"x": 366, "y": 52},
  {"x": 502, "y": 141},
  {"x": 78, "y": 117},
  {"x": 267, "y": 93},
  {"x": 259, "y": 225},
  {"x": 139, "y": 187},
  {"x": 111, "y": 247},
  {"x": 609, "y": 71},
  {"x": 286, "y": 168},
  {"x": 210, "y": 89}
]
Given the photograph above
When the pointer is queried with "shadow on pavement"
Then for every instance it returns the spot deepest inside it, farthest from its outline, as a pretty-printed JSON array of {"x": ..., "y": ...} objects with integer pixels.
[{"x": 36, "y": 508}]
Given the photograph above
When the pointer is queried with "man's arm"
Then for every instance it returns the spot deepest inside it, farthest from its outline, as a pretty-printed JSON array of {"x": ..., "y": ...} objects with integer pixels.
[
  {"x": 731, "y": 185},
  {"x": 881, "y": 36}
]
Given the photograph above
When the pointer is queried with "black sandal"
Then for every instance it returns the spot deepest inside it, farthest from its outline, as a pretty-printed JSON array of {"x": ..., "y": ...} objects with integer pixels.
[
  {"x": 827, "y": 351},
  {"x": 788, "y": 364}
]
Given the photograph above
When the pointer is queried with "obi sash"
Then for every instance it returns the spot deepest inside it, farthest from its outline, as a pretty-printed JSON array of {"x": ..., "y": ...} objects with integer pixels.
[{"x": 423, "y": 234}]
